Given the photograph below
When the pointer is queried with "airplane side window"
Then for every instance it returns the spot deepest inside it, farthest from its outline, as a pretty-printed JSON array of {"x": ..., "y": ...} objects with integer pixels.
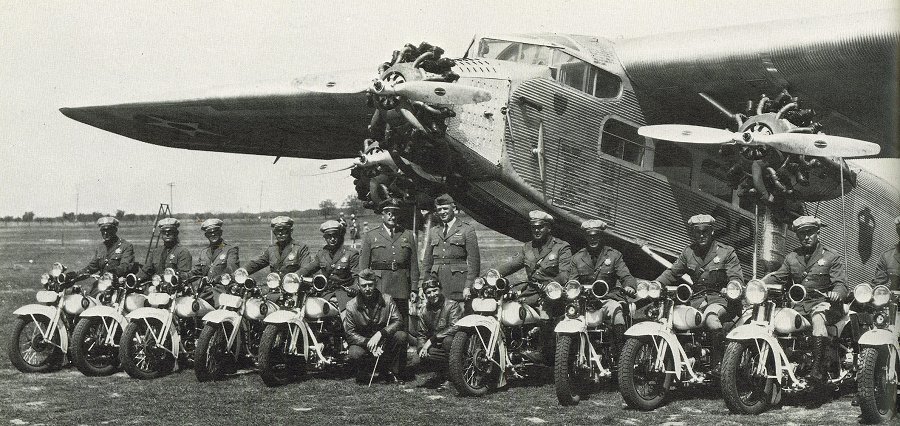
[
  {"x": 575, "y": 73},
  {"x": 714, "y": 180},
  {"x": 535, "y": 55},
  {"x": 621, "y": 140},
  {"x": 672, "y": 161}
]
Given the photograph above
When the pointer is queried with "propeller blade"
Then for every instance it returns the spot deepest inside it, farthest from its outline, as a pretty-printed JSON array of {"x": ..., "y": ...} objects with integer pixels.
[
  {"x": 819, "y": 145},
  {"x": 332, "y": 166},
  {"x": 686, "y": 133},
  {"x": 346, "y": 81},
  {"x": 435, "y": 92}
]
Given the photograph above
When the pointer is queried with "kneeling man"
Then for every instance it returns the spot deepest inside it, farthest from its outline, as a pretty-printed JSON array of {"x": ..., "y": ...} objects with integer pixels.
[{"x": 437, "y": 319}]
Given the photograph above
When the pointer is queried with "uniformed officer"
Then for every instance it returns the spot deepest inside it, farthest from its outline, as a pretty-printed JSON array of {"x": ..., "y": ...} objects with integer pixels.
[
  {"x": 821, "y": 271},
  {"x": 113, "y": 254},
  {"x": 336, "y": 261},
  {"x": 436, "y": 329},
  {"x": 601, "y": 262},
  {"x": 372, "y": 325},
  {"x": 354, "y": 230},
  {"x": 545, "y": 258},
  {"x": 887, "y": 272},
  {"x": 285, "y": 255},
  {"x": 389, "y": 251},
  {"x": 452, "y": 255},
  {"x": 171, "y": 255},
  {"x": 214, "y": 260}
]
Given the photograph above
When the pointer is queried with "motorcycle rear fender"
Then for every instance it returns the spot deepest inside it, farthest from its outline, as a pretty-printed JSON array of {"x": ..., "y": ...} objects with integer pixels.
[
  {"x": 478, "y": 321},
  {"x": 653, "y": 328},
  {"x": 570, "y": 326},
  {"x": 761, "y": 332},
  {"x": 222, "y": 315},
  {"x": 147, "y": 312},
  {"x": 282, "y": 317},
  {"x": 49, "y": 312},
  {"x": 105, "y": 311}
]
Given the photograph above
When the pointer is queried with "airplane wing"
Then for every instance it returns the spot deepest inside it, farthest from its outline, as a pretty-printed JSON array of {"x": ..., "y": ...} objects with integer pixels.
[{"x": 308, "y": 118}]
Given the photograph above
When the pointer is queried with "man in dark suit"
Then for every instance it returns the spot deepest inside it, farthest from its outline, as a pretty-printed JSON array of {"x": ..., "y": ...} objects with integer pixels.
[
  {"x": 372, "y": 326},
  {"x": 451, "y": 256}
]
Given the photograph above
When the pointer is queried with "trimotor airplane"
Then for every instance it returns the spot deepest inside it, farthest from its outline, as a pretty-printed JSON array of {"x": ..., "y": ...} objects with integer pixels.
[{"x": 631, "y": 132}]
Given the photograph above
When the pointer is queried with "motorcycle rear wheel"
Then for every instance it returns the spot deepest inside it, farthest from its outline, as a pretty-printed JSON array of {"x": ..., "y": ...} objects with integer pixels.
[
  {"x": 877, "y": 401},
  {"x": 89, "y": 354},
  {"x": 470, "y": 368},
  {"x": 212, "y": 361},
  {"x": 744, "y": 392},
  {"x": 27, "y": 350},
  {"x": 640, "y": 386},
  {"x": 140, "y": 355}
]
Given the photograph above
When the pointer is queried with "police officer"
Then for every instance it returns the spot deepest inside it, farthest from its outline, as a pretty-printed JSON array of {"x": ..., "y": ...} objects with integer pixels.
[
  {"x": 214, "y": 260},
  {"x": 372, "y": 325},
  {"x": 113, "y": 254},
  {"x": 436, "y": 329},
  {"x": 285, "y": 255},
  {"x": 887, "y": 272},
  {"x": 390, "y": 253},
  {"x": 336, "y": 261},
  {"x": 601, "y": 262},
  {"x": 545, "y": 258},
  {"x": 171, "y": 255},
  {"x": 821, "y": 271},
  {"x": 452, "y": 255}
]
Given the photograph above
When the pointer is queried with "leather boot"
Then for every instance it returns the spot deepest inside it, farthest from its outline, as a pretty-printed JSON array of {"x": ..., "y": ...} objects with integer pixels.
[
  {"x": 617, "y": 340},
  {"x": 717, "y": 345},
  {"x": 817, "y": 373}
]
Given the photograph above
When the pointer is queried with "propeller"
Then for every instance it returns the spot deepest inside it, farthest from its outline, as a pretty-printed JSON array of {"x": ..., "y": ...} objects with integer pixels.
[
  {"x": 346, "y": 81},
  {"x": 814, "y": 144},
  {"x": 432, "y": 92}
]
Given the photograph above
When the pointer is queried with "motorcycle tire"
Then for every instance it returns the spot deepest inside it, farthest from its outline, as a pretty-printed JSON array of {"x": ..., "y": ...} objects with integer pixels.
[
  {"x": 138, "y": 354},
  {"x": 877, "y": 401},
  {"x": 467, "y": 353},
  {"x": 571, "y": 382},
  {"x": 33, "y": 355},
  {"x": 630, "y": 374},
  {"x": 89, "y": 355},
  {"x": 743, "y": 393},
  {"x": 275, "y": 362},
  {"x": 211, "y": 358}
]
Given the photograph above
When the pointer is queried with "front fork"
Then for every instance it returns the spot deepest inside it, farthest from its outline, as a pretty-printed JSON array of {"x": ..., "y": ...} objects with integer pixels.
[{"x": 52, "y": 326}]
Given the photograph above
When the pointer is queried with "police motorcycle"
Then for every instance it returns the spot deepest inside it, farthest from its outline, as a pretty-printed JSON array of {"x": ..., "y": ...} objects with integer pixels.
[
  {"x": 502, "y": 336},
  {"x": 879, "y": 359},
  {"x": 584, "y": 351},
  {"x": 772, "y": 352},
  {"x": 160, "y": 335},
  {"x": 305, "y": 332},
  {"x": 231, "y": 333},
  {"x": 671, "y": 347},
  {"x": 95, "y": 340},
  {"x": 40, "y": 336}
]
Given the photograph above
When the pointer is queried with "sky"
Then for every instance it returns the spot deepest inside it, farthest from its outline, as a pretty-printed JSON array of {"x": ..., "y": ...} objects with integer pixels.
[{"x": 57, "y": 54}]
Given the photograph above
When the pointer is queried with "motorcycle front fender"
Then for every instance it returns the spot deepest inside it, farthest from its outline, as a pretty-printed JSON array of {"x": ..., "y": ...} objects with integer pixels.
[
  {"x": 879, "y": 337},
  {"x": 653, "y": 328},
  {"x": 146, "y": 312},
  {"x": 105, "y": 311},
  {"x": 570, "y": 326},
  {"x": 49, "y": 312},
  {"x": 283, "y": 316},
  {"x": 219, "y": 316},
  {"x": 478, "y": 321},
  {"x": 761, "y": 332},
  {"x": 494, "y": 341}
]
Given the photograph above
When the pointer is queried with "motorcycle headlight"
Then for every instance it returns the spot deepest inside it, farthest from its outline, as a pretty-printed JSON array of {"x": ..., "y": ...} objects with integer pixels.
[
  {"x": 881, "y": 295},
  {"x": 241, "y": 275},
  {"x": 157, "y": 280},
  {"x": 553, "y": 290},
  {"x": 291, "y": 283},
  {"x": 45, "y": 278},
  {"x": 643, "y": 288},
  {"x": 57, "y": 269},
  {"x": 225, "y": 279},
  {"x": 105, "y": 282},
  {"x": 654, "y": 289},
  {"x": 863, "y": 293},
  {"x": 168, "y": 275},
  {"x": 573, "y": 289},
  {"x": 478, "y": 284},
  {"x": 734, "y": 290},
  {"x": 273, "y": 280},
  {"x": 755, "y": 293}
]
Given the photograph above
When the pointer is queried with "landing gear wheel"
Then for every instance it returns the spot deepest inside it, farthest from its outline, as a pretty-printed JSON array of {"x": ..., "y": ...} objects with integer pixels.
[
  {"x": 744, "y": 390},
  {"x": 642, "y": 386},
  {"x": 28, "y": 351},
  {"x": 89, "y": 353},
  {"x": 470, "y": 369}
]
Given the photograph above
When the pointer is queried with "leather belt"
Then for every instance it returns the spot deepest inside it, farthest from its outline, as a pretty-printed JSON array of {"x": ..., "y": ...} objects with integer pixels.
[
  {"x": 450, "y": 262},
  {"x": 388, "y": 266}
]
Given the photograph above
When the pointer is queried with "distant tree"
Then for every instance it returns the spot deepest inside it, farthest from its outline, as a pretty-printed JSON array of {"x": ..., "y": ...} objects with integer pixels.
[
  {"x": 68, "y": 216},
  {"x": 120, "y": 214},
  {"x": 327, "y": 208},
  {"x": 353, "y": 205},
  {"x": 28, "y": 217}
]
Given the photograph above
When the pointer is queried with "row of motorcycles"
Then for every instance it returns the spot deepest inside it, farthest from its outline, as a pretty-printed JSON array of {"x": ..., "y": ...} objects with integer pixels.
[
  {"x": 295, "y": 327},
  {"x": 150, "y": 328}
]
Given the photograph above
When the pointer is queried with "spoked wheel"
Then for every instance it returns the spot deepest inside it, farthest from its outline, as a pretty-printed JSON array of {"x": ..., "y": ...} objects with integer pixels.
[
  {"x": 91, "y": 354},
  {"x": 277, "y": 366},
  {"x": 471, "y": 369},
  {"x": 745, "y": 384},
  {"x": 213, "y": 360},
  {"x": 141, "y": 355},
  {"x": 877, "y": 396},
  {"x": 28, "y": 351},
  {"x": 642, "y": 384},
  {"x": 571, "y": 376}
]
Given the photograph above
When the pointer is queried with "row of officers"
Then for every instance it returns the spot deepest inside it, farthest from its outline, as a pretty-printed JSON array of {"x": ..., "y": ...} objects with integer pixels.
[{"x": 387, "y": 271}]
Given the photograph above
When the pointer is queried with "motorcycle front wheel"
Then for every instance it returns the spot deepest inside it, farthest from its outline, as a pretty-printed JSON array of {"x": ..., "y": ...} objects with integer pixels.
[
  {"x": 141, "y": 355},
  {"x": 213, "y": 360},
  {"x": 471, "y": 369},
  {"x": 745, "y": 391},
  {"x": 28, "y": 351},
  {"x": 571, "y": 380},
  {"x": 277, "y": 366},
  {"x": 877, "y": 396},
  {"x": 643, "y": 386},
  {"x": 89, "y": 352}
]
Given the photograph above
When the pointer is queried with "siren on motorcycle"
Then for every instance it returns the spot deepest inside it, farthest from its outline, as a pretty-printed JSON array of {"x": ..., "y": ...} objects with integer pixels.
[
  {"x": 683, "y": 293},
  {"x": 130, "y": 281},
  {"x": 319, "y": 282},
  {"x": 797, "y": 293},
  {"x": 599, "y": 288}
]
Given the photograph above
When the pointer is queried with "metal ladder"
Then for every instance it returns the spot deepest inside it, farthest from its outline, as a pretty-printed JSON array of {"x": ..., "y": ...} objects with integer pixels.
[{"x": 164, "y": 212}]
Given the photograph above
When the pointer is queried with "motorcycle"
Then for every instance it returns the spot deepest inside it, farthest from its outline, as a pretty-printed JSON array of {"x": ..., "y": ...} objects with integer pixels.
[
  {"x": 95, "y": 340},
  {"x": 672, "y": 347},
  {"x": 158, "y": 336},
  {"x": 40, "y": 336},
  {"x": 773, "y": 352},
  {"x": 231, "y": 334},
  {"x": 879, "y": 359},
  {"x": 502, "y": 337},
  {"x": 306, "y": 331},
  {"x": 584, "y": 351}
]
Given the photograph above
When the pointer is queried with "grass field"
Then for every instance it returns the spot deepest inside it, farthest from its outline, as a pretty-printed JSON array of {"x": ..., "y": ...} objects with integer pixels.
[{"x": 67, "y": 397}]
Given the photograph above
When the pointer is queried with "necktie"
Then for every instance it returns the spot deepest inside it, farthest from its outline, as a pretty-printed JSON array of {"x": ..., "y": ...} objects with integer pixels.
[{"x": 446, "y": 227}]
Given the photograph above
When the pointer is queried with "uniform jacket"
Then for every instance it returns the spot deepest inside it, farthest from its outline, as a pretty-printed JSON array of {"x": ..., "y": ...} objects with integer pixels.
[
  {"x": 380, "y": 250},
  {"x": 824, "y": 271},
  {"x": 609, "y": 266},
  {"x": 294, "y": 256},
  {"x": 454, "y": 259},
  {"x": 117, "y": 258},
  {"x": 338, "y": 266},
  {"x": 362, "y": 321},
  {"x": 887, "y": 272},
  {"x": 709, "y": 271},
  {"x": 213, "y": 261},
  {"x": 551, "y": 263},
  {"x": 438, "y": 324},
  {"x": 177, "y": 257}
]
